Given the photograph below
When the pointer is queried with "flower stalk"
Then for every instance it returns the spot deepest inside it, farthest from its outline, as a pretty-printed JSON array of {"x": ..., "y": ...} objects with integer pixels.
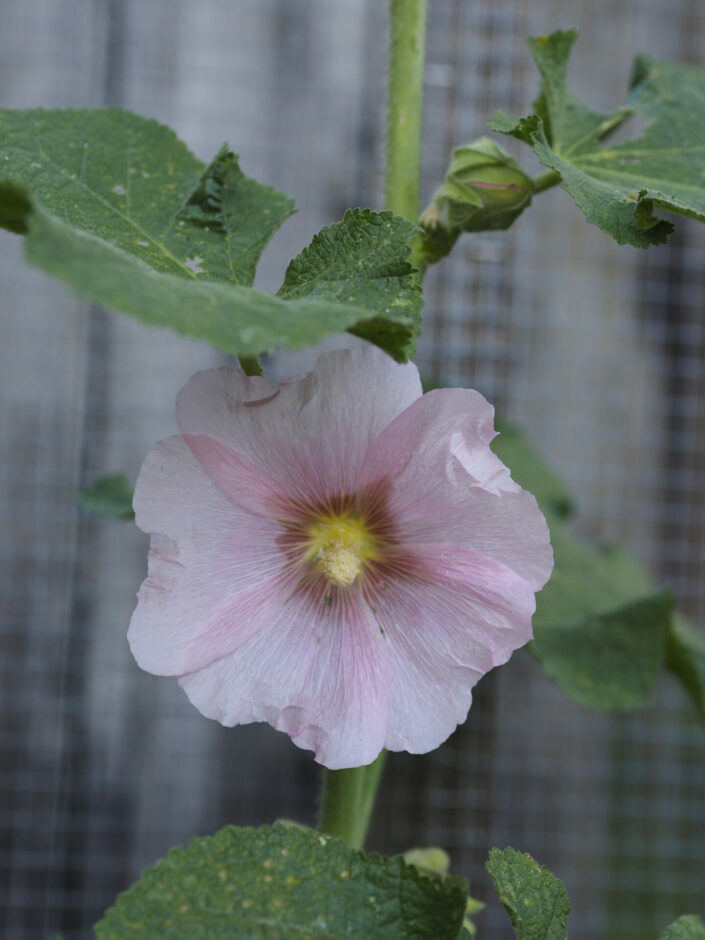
[
  {"x": 348, "y": 796},
  {"x": 407, "y": 38},
  {"x": 546, "y": 181}
]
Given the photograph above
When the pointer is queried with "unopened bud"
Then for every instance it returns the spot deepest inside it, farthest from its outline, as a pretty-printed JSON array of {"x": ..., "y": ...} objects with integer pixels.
[
  {"x": 430, "y": 861},
  {"x": 484, "y": 189}
]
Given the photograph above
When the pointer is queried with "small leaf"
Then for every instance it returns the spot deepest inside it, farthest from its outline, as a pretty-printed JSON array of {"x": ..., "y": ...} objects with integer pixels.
[
  {"x": 535, "y": 900},
  {"x": 619, "y": 187},
  {"x": 279, "y": 881},
  {"x": 687, "y": 927},
  {"x": 358, "y": 262},
  {"x": 116, "y": 207},
  {"x": 685, "y": 658},
  {"x": 110, "y": 497}
]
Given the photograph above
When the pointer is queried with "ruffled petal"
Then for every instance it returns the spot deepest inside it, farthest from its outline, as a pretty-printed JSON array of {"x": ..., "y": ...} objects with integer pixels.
[
  {"x": 446, "y": 485},
  {"x": 455, "y": 616},
  {"x": 306, "y": 438},
  {"x": 216, "y": 573},
  {"x": 318, "y": 672}
]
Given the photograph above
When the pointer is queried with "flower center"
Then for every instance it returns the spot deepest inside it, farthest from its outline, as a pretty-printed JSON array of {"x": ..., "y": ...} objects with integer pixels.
[{"x": 340, "y": 546}]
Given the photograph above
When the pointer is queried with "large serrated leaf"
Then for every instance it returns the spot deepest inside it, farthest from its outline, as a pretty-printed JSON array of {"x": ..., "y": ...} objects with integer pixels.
[
  {"x": 617, "y": 187},
  {"x": 285, "y": 882},
  {"x": 115, "y": 206},
  {"x": 535, "y": 900},
  {"x": 131, "y": 182}
]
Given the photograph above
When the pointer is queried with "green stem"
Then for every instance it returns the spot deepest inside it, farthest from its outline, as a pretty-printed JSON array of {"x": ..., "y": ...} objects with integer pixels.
[
  {"x": 347, "y": 801},
  {"x": 546, "y": 181},
  {"x": 348, "y": 796},
  {"x": 407, "y": 35},
  {"x": 341, "y": 797},
  {"x": 368, "y": 795}
]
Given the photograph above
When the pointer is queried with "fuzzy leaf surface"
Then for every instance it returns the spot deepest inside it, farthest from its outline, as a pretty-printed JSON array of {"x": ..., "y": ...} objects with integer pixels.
[
  {"x": 357, "y": 262},
  {"x": 285, "y": 882},
  {"x": 116, "y": 207},
  {"x": 619, "y": 186},
  {"x": 687, "y": 927},
  {"x": 535, "y": 900},
  {"x": 131, "y": 182}
]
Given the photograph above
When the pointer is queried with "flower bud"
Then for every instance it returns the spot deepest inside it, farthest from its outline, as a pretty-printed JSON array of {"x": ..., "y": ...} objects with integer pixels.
[
  {"x": 484, "y": 189},
  {"x": 430, "y": 861}
]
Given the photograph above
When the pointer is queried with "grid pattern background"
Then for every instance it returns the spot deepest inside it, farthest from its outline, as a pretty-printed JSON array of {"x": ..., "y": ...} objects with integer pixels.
[{"x": 598, "y": 353}]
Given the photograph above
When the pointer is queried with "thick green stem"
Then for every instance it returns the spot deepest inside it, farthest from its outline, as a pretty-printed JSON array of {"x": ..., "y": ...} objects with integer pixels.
[
  {"x": 368, "y": 795},
  {"x": 347, "y": 801},
  {"x": 546, "y": 181},
  {"x": 341, "y": 797},
  {"x": 348, "y": 796},
  {"x": 407, "y": 36}
]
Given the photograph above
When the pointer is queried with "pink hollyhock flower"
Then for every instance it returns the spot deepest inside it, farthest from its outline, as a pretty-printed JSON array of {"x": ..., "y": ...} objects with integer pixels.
[{"x": 340, "y": 555}]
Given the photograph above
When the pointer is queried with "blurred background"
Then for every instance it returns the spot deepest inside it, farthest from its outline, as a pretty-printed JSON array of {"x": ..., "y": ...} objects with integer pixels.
[{"x": 597, "y": 352}]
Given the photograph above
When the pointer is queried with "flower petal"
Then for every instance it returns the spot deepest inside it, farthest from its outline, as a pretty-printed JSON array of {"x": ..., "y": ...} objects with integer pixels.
[
  {"x": 457, "y": 616},
  {"x": 216, "y": 573},
  {"x": 318, "y": 672},
  {"x": 308, "y": 437},
  {"x": 446, "y": 485}
]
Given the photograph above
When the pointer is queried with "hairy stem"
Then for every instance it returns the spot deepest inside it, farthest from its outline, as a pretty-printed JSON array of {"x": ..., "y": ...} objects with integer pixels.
[{"x": 407, "y": 36}]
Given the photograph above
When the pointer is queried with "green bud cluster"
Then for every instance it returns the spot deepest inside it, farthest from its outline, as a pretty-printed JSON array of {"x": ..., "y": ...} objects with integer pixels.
[{"x": 484, "y": 189}]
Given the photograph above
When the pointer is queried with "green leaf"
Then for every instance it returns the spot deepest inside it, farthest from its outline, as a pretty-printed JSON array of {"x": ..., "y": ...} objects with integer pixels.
[
  {"x": 536, "y": 901},
  {"x": 15, "y": 206},
  {"x": 130, "y": 181},
  {"x": 357, "y": 262},
  {"x": 618, "y": 187},
  {"x": 284, "y": 882},
  {"x": 235, "y": 217},
  {"x": 685, "y": 658},
  {"x": 115, "y": 206},
  {"x": 687, "y": 927},
  {"x": 530, "y": 471},
  {"x": 110, "y": 497},
  {"x": 600, "y": 628}
]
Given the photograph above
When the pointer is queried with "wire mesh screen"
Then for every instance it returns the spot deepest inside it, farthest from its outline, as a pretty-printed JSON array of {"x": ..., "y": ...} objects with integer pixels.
[{"x": 597, "y": 352}]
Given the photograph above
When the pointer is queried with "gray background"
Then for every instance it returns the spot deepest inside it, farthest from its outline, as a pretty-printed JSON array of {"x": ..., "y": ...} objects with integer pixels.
[{"x": 597, "y": 351}]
